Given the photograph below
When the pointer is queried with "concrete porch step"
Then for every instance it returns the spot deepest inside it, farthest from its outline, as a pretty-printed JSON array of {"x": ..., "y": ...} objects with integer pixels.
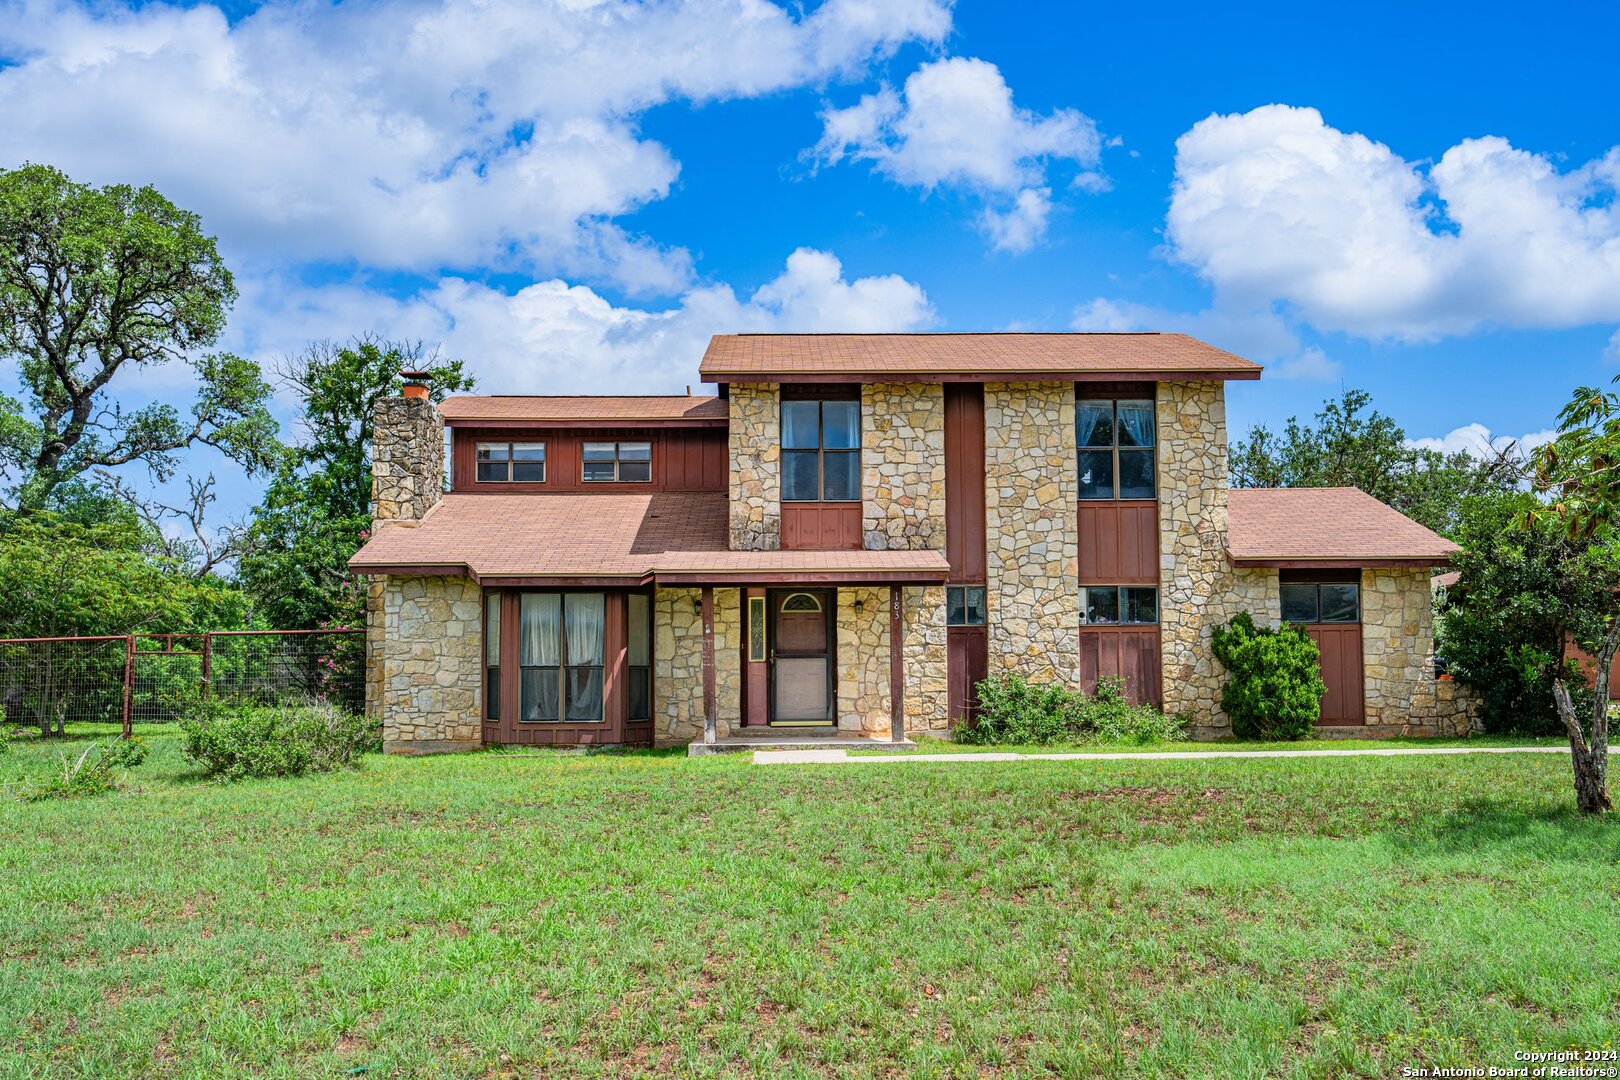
[{"x": 841, "y": 741}]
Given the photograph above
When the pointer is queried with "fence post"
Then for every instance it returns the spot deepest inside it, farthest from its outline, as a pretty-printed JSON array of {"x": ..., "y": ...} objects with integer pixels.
[
  {"x": 129, "y": 684},
  {"x": 207, "y": 662}
]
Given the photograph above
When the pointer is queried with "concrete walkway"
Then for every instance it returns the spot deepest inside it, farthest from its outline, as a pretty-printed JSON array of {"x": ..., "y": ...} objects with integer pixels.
[{"x": 841, "y": 757}]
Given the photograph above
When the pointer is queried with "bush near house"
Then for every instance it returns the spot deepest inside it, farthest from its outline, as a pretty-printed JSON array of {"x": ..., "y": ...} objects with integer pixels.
[
  {"x": 234, "y": 741},
  {"x": 1274, "y": 684},
  {"x": 1016, "y": 712}
]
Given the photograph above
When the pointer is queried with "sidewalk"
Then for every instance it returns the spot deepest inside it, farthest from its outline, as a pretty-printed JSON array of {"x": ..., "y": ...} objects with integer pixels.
[{"x": 841, "y": 757}]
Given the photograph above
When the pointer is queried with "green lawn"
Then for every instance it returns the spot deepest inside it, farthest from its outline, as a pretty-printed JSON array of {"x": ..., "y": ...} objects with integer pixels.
[
  {"x": 945, "y": 746},
  {"x": 503, "y": 914}
]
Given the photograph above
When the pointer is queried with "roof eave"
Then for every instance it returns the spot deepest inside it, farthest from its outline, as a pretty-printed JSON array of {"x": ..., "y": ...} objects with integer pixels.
[
  {"x": 1339, "y": 562},
  {"x": 869, "y": 375},
  {"x": 597, "y": 422}
]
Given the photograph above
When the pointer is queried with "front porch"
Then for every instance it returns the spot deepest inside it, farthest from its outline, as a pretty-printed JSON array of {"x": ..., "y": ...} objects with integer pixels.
[{"x": 801, "y": 662}]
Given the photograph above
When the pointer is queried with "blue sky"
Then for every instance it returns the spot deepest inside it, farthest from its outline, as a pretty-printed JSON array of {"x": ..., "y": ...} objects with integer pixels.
[{"x": 1418, "y": 201}]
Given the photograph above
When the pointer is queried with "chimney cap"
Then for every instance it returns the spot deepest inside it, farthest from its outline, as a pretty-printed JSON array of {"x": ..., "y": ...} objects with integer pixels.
[{"x": 417, "y": 376}]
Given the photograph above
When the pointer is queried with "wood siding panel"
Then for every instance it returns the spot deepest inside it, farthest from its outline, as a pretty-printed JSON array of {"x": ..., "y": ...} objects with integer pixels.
[
  {"x": 1119, "y": 543},
  {"x": 810, "y": 526},
  {"x": 964, "y": 482},
  {"x": 1128, "y": 651},
  {"x": 684, "y": 459},
  {"x": 1340, "y": 645},
  {"x": 967, "y": 662}
]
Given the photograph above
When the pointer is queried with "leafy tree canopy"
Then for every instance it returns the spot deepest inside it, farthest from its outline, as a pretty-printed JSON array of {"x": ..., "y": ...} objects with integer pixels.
[
  {"x": 317, "y": 510},
  {"x": 1502, "y": 626},
  {"x": 60, "y": 577},
  {"x": 1353, "y": 445},
  {"x": 94, "y": 281},
  {"x": 1577, "y": 475}
]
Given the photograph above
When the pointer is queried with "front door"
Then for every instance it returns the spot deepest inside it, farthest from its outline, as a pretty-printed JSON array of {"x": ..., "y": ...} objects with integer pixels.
[{"x": 801, "y": 656}]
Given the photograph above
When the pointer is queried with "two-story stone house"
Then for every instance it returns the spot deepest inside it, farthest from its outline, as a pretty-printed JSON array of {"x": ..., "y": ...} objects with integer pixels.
[{"x": 851, "y": 534}]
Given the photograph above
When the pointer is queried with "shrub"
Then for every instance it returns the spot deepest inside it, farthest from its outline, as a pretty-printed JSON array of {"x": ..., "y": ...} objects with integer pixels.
[
  {"x": 95, "y": 772},
  {"x": 1110, "y": 717},
  {"x": 1274, "y": 681},
  {"x": 233, "y": 741},
  {"x": 1016, "y": 712},
  {"x": 1012, "y": 710}
]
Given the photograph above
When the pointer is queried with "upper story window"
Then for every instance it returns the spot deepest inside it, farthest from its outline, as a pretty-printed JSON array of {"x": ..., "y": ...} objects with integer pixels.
[
  {"x": 1116, "y": 440},
  {"x": 624, "y": 462},
  {"x": 821, "y": 450},
  {"x": 511, "y": 462}
]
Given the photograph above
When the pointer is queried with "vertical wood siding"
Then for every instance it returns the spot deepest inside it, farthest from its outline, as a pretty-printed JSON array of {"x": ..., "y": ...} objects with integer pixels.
[{"x": 683, "y": 459}]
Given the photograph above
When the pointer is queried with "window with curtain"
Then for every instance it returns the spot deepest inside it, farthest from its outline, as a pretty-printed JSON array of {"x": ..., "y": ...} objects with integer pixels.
[
  {"x": 964, "y": 605},
  {"x": 821, "y": 451},
  {"x": 616, "y": 462},
  {"x": 511, "y": 462},
  {"x": 492, "y": 656},
  {"x": 560, "y": 651},
  {"x": 638, "y": 696},
  {"x": 583, "y": 616},
  {"x": 1116, "y": 441},
  {"x": 1120, "y": 605}
]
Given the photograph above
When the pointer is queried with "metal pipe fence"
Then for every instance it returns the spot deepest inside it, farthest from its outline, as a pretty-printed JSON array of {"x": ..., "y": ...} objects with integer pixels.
[{"x": 149, "y": 678}]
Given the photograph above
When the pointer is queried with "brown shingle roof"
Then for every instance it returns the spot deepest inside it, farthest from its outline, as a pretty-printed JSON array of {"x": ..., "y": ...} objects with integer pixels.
[
  {"x": 787, "y": 357},
  {"x": 477, "y": 407},
  {"x": 1267, "y": 526},
  {"x": 673, "y": 536}
]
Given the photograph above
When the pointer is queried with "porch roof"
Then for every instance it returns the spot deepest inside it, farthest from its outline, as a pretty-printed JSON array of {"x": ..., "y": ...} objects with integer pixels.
[
  {"x": 671, "y": 538},
  {"x": 1326, "y": 527}
]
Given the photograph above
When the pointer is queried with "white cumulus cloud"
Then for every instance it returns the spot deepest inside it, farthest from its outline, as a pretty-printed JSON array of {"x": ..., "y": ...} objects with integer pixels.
[
  {"x": 418, "y": 135},
  {"x": 1276, "y": 206},
  {"x": 556, "y": 337},
  {"x": 954, "y": 123},
  {"x": 1478, "y": 440}
]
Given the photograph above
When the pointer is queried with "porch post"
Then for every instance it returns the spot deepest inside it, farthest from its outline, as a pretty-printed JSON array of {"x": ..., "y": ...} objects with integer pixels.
[
  {"x": 708, "y": 664},
  {"x": 897, "y": 675}
]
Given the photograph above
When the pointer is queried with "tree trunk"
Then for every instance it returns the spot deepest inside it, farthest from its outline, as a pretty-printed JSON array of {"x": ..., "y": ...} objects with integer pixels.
[{"x": 1590, "y": 761}]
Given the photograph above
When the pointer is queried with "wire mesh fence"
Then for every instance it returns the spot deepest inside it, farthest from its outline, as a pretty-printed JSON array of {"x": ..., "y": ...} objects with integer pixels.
[{"x": 149, "y": 678}]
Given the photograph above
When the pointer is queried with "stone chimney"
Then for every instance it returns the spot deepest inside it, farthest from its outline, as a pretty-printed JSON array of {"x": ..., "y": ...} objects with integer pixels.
[{"x": 407, "y": 454}]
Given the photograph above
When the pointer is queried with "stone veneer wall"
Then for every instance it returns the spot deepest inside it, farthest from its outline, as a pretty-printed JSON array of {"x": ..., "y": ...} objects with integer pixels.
[
  {"x": 1031, "y": 494},
  {"x": 678, "y": 665},
  {"x": 431, "y": 664},
  {"x": 1397, "y": 648},
  {"x": 863, "y": 660},
  {"x": 923, "y": 629},
  {"x": 407, "y": 459},
  {"x": 756, "y": 468},
  {"x": 1198, "y": 589},
  {"x": 903, "y": 466}
]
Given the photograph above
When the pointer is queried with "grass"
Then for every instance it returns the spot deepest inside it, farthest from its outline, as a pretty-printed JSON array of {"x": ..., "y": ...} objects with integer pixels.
[
  {"x": 506, "y": 915},
  {"x": 945, "y": 746}
]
